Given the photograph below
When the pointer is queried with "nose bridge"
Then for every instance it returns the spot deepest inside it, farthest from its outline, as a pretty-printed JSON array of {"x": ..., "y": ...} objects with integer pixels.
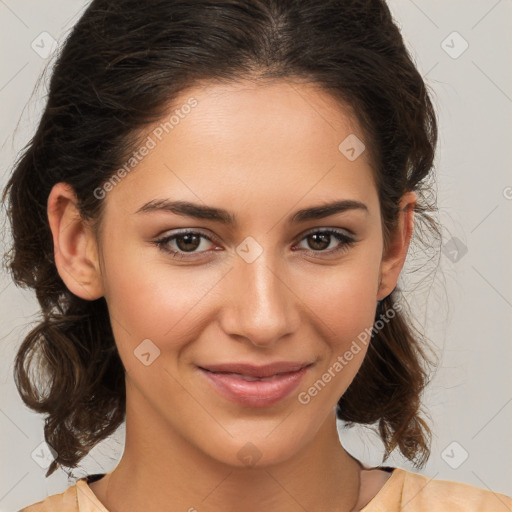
[{"x": 261, "y": 307}]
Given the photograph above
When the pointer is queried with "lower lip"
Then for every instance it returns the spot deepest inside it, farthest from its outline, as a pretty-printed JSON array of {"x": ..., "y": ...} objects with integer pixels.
[{"x": 257, "y": 393}]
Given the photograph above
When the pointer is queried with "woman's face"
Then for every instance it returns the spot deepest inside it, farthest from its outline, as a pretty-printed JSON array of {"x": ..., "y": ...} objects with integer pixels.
[{"x": 261, "y": 279}]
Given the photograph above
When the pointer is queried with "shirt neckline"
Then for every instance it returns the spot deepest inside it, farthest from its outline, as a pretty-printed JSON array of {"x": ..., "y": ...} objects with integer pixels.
[
  {"x": 86, "y": 498},
  {"x": 85, "y": 494},
  {"x": 379, "y": 497}
]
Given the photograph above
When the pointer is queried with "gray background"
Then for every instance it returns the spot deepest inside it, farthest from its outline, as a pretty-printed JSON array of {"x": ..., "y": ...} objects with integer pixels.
[{"x": 465, "y": 308}]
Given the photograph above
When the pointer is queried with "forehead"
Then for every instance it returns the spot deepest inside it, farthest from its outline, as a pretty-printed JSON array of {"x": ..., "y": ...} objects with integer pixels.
[
  {"x": 271, "y": 140},
  {"x": 278, "y": 113}
]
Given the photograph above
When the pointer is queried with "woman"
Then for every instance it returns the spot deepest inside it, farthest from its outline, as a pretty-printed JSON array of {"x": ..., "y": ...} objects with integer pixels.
[{"x": 214, "y": 213}]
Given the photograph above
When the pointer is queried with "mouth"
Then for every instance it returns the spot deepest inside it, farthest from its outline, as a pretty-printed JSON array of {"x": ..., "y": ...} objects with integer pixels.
[{"x": 254, "y": 386}]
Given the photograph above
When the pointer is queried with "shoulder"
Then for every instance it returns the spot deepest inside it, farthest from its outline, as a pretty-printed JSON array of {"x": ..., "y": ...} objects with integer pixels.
[
  {"x": 77, "y": 498},
  {"x": 64, "y": 502},
  {"x": 421, "y": 494}
]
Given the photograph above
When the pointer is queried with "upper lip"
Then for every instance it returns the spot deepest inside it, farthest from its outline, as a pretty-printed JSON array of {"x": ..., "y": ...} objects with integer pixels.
[{"x": 252, "y": 370}]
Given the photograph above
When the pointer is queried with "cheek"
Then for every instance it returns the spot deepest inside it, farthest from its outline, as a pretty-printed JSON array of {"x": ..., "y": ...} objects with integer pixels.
[
  {"x": 344, "y": 303},
  {"x": 148, "y": 299},
  {"x": 345, "y": 296}
]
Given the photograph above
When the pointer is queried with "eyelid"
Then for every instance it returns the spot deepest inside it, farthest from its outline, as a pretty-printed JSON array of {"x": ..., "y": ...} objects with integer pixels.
[
  {"x": 342, "y": 231},
  {"x": 188, "y": 231}
]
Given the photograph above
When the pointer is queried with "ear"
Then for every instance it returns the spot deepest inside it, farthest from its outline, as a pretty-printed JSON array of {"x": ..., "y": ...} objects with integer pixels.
[
  {"x": 393, "y": 258},
  {"x": 75, "y": 248}
]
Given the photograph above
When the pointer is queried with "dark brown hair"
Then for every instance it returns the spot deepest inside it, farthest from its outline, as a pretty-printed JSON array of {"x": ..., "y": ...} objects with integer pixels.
[{"x": 119, "y": 69}]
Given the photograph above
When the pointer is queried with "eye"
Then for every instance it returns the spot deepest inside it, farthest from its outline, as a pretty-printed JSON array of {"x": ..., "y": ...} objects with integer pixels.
[
  {"x": 184, "y": 242},
  {"x": 320, "y": 240}
]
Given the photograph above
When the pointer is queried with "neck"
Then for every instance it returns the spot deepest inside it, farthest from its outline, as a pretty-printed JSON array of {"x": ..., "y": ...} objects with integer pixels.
[{"x": 161, "y": 471}]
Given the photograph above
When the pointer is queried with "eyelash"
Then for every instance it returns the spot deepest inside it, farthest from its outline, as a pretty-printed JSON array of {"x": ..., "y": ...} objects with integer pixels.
[{"x": 347, "y": 242}]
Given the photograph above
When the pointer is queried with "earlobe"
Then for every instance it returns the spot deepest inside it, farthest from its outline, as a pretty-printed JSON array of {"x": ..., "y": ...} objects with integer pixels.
[
  {"x": 75, "y": 248},
  {"x": 394, "y": 258}
]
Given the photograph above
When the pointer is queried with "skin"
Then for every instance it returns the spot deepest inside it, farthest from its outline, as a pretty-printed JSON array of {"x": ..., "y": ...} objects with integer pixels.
[{"x": 262, "y": 151}]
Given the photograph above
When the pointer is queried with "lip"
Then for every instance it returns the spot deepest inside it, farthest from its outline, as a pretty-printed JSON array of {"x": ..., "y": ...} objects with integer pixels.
[{"x": 242, "y": 382}]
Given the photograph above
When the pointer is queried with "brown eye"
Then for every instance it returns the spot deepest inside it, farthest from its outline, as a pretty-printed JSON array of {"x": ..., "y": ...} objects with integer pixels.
[
  {"x": 185, "y": 242},
  {"x": 320, "y": 240},
  {"x": 188, "y": 242}
]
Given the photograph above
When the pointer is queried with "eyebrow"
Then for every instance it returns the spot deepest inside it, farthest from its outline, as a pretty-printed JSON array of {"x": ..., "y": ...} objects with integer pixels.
[{"x": 198, "y": 211}]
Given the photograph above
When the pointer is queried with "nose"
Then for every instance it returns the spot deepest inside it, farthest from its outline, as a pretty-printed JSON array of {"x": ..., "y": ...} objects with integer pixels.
[{"x": 261, "y": 306}]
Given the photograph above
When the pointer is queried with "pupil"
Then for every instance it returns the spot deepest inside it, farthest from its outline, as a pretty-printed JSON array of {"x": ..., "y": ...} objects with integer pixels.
[
  {"x": 323, "y": 236},
  {"x": 186, "y": 246}
]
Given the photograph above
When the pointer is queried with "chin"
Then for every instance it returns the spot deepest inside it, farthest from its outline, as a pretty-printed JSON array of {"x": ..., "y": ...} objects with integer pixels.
[{"x": 257, "y": 451}]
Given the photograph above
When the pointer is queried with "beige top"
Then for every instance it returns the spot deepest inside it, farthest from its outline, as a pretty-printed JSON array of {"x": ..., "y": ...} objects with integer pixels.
[{"x": 404, "y": 491}]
